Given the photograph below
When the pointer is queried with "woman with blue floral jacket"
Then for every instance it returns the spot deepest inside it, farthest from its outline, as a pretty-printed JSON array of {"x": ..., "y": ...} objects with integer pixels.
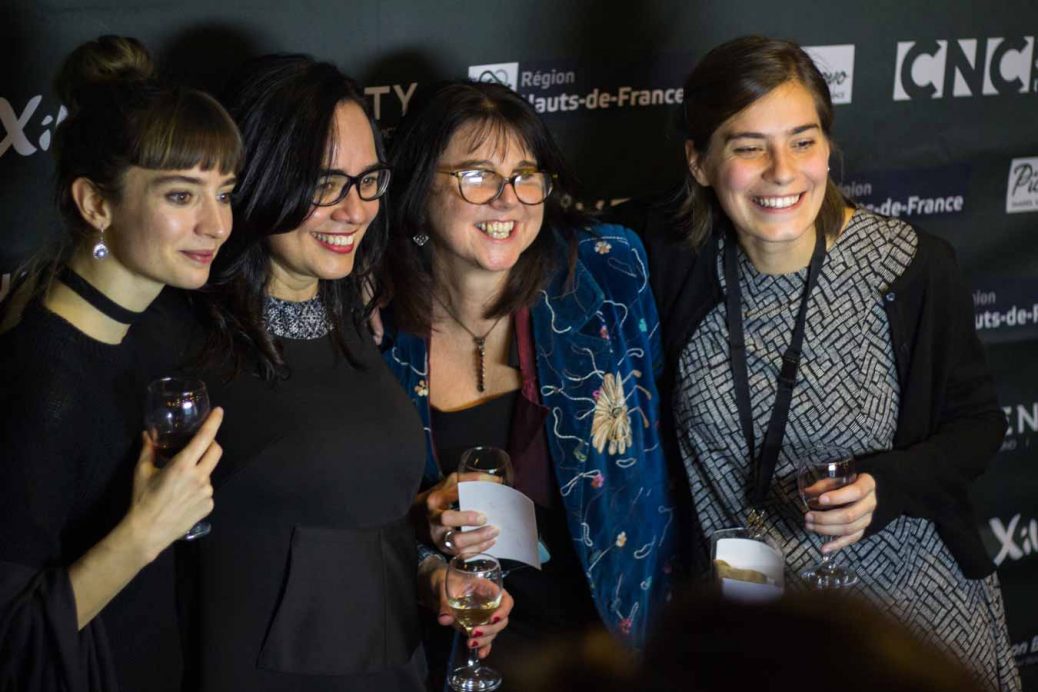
[{"x": 516, "y": 324}]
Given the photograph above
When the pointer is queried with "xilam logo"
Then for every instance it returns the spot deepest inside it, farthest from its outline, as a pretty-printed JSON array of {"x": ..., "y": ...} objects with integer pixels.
[
  {"x": 17, "y": 135},
  {"x": 506, "y": 73},
  {"x": 1016, "y": 539},
  {"x": 836, "y": 63},
  {"x": 965, "y": 67},
  {"x": 1022, "y": 190}
]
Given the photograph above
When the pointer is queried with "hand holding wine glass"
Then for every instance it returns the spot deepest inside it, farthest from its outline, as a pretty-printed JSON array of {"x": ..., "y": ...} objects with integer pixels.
[
  {"x": 175, "y": 411},
  {"x": 817, "y": 475},
  {"x": 474, "y": 592}
]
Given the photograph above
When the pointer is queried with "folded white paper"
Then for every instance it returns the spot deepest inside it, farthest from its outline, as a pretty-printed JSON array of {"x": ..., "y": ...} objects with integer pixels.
[{"x": 511, "y": 512}]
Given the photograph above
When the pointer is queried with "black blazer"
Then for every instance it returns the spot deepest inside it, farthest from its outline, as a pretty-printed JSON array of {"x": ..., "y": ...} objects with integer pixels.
[{"x": 949, "y": 422}]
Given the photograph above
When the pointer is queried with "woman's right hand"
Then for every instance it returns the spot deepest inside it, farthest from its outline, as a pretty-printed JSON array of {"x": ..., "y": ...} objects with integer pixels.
[
  {"x": 167, "y": 502},
  {"x": 445, "y": 523}
]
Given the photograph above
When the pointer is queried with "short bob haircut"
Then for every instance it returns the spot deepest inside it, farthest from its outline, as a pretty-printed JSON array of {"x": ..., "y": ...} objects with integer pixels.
[
  {"x": 727, "y": 80},
  {"x": 285, "y": 106},
  {"x": 119, "y": 116},
  {"x": 418, "y": 143}
]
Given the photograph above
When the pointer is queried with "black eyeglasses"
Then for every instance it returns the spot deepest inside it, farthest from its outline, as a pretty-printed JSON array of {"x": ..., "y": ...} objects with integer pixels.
[
  {"x": 480, "y": 186},
  {"x": 333, "y": 187}
]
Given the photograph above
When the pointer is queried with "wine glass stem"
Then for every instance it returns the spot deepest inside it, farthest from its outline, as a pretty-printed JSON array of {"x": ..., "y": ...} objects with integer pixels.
[
  {"x": 826, "y": 557},
  {"x": 473, "y": 654}
]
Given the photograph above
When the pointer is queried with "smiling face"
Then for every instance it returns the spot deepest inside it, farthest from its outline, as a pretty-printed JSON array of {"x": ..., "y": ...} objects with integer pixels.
[
  {"x": 482, "y": 237},
  {"x": 768, "y": 165},
  {"x": 324, "y": 245},
  {"x": 167, "y": 226}
]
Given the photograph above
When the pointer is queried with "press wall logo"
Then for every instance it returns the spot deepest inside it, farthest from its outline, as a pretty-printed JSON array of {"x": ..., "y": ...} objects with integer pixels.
[
  {"x": 965, "y": 67},
  {"x": 506, "y": 73},
  {"x": 911, "y": 193},
  {"x": 836, "y": 63},
  {"x": 1023, "y": 425},
  {"x": 566, "y": 87},
  {"x": 21, "y": 127},
  {"x": 1022, "y": 189},
  {"x": 1014, "y": 539}
]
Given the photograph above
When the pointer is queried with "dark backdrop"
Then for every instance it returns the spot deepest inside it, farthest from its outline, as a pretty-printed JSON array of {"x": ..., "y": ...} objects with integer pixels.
[{"x": 937, "y": 120}]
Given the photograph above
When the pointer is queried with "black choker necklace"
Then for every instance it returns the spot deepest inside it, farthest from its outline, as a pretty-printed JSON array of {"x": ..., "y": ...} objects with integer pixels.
[{"x": 98, "y": 300}]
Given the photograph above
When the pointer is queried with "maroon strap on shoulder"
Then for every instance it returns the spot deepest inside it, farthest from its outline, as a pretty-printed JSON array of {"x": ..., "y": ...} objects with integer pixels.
[{"x": 527, "y": 441}]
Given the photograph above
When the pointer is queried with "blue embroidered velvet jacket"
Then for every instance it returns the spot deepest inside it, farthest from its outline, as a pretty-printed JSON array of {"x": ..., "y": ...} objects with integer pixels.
[{"x": 597, "y": 349}]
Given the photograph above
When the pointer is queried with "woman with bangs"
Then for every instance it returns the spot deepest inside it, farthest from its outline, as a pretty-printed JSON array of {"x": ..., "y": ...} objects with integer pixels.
[
  {"x": 517, "y": 324},
  {"x": 144, "y": 176}
]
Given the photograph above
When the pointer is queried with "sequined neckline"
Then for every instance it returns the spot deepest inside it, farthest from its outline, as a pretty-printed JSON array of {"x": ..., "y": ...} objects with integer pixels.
[{"x": 296, "y": 320}]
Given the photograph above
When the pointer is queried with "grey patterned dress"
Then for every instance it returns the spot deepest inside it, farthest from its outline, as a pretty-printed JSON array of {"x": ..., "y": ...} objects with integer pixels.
[{"x": 846, "y": 396}]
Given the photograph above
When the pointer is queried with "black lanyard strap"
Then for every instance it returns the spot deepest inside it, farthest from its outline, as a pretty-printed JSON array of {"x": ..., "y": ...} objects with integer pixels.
[{"x": 762, "y": 466}]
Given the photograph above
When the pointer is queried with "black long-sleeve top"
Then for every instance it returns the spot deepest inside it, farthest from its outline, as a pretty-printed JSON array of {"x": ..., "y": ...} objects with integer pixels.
[{"x": 70, "y": 422}]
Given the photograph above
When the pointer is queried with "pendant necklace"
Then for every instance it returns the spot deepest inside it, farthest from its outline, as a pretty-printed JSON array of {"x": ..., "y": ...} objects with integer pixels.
[{"x": 479, "y": 341}]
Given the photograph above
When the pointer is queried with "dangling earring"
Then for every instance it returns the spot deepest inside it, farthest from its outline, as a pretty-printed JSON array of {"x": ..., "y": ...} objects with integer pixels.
[
  {"x": 420, "y": 239},
  {"x": 100, "y": 250}
]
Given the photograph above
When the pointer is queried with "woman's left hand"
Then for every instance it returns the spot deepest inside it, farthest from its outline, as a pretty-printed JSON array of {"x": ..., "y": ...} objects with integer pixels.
[{"x": 853, "y": 506}]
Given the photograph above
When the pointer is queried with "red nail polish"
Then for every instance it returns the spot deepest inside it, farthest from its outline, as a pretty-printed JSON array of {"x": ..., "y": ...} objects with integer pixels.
[
  {"x": 473, "y": 644},
  {"x": 496, "y": 619},
  {"x": 477, "y": 633}
]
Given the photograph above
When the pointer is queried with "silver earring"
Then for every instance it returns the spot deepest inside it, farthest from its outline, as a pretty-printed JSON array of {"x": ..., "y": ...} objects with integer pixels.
[
  {"x": 420, "y": 239},
  {"x": 100, "y": 250}
]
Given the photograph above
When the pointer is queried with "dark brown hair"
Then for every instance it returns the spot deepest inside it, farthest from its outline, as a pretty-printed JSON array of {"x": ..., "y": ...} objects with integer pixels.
[
  {"x": 705, "y": 643},
  {"x": 727, "y": 80},
  {"x": 285, "y": 105},
  {"x": 418, "y": 143},
  {"x": 119, "y": 117}
]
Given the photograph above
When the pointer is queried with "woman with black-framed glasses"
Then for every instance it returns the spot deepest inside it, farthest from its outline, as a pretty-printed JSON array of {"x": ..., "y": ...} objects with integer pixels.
[
  {"x": 309, "y": 580},
  {"x": 518, "y": 324}
]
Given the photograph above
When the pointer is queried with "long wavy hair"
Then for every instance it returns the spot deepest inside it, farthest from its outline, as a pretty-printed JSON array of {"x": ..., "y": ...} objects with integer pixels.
[
  {"x": 728, "y": 79},
  {"x": 418, "y": 143},
  {"x": 284, "y": 106}
]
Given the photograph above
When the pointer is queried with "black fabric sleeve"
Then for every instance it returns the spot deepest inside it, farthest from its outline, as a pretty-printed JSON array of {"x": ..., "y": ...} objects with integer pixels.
[
  {"x": 41, "y": 647},
  {"x": 931, "y": 478}
]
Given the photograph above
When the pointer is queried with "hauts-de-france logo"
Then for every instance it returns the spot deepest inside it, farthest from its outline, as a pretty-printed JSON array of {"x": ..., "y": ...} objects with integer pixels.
[{"x": 506, "y": 73}]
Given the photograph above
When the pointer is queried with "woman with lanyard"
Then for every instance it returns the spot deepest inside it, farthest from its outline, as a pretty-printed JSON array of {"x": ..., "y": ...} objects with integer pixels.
[{"x": 794, "y": 321}]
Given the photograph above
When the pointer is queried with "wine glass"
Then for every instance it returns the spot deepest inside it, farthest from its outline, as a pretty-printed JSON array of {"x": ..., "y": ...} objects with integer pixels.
[
  {"x": 174, "y": 410},
  {"x": 488, "y": 461},
  {"x": 818, "y": 474},
  {"x": 473, "y": 587}
]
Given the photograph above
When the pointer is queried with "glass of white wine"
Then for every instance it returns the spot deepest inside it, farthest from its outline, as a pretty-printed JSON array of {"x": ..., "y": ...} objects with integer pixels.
[
  {"x": 817, "y": 474},
  {"x": 474, "y": 591}
]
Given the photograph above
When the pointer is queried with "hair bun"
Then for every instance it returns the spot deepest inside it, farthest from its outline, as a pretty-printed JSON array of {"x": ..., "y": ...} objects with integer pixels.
[{"x": 105, "y": 62}]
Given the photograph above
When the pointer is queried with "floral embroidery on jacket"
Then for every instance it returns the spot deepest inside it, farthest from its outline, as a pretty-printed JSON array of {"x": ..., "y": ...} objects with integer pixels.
[
  {"x": 611, "y": 424},
  {"x": 597, "y": 348}
]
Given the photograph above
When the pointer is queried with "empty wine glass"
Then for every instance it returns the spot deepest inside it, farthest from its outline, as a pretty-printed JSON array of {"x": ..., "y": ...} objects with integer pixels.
[
  {"x": 489, "y": 461},
  {"x": 174, "y": 410},
  {"x": 473, "y": 587},
  {"x": 818, "y": 474}
]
